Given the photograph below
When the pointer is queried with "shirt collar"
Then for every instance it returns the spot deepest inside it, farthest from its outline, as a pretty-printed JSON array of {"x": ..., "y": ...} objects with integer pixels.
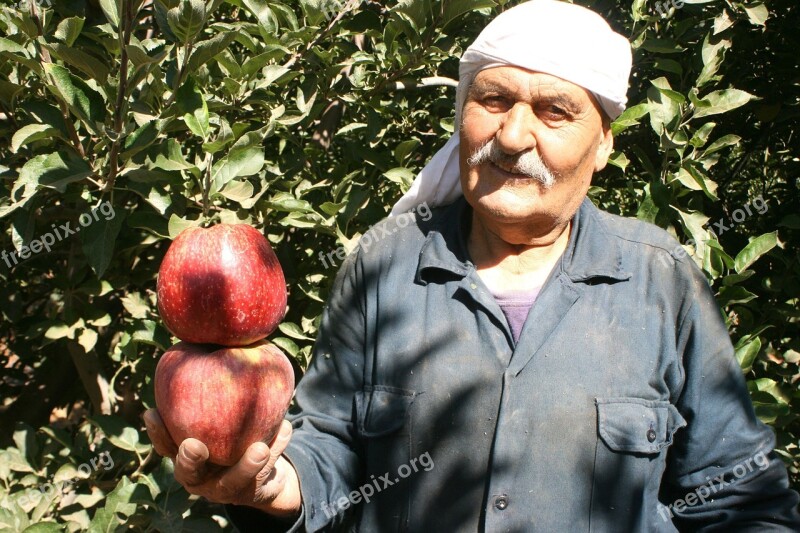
[{"x": 592, "y": 252}]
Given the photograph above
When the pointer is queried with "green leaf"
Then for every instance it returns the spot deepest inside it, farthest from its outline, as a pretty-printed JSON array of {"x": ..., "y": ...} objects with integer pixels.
[
  {"x": 245, "y": 158},
  {"x": 722, "y": 142},
  {"x": 629, "y": 117},
  {"x": 44, "y": 527},
  {"x": 713, "y": 53},
  {"x": 283, "y": 201},
  {"x": 69, "y": 29},
  {"x": 266, "y": 18},
  {"x": 238, "y": 191},
  {"x": 254, "y": 64},
  {"x": 7, "y": 45},
  {"x": 79, "y": 59},
  {"x": 119, "y": 433},
  {"x": 757, "y": 13},
  {"x": 135, "y": 305},
  {"x": 120, "y": 505},
  {"x": 733, "y": 279},
  {"x": 456, "y": 8},
  {"x": 665, "y": 111},
  {"x": 755, "y": 249},
  {"x": 400, "y": 175},
  {"x": 25, "y": 439},
  {"x": 700, "y": 137},
  {"x": 734, "y": 295},
  {"x": 15, "y": 461},
  {"x": 173, "y": 159},
  {"x": 111, "y": 9},
  {"x": 140, "y": 56},
  {"x": 771, "y": 387},
  {"x": 31, "y": 133},
  {"x": 723, "y": 101},
  {"x": 668, "y": 65},
  {"x": 204, "y": 51},
  {"x": 178, "y": 224},
  {"x": 662, "y": 46},
  {"x": 619, "y": 160},
  {"x": 722, "y": 22},
  {"x": 153, "y": 334},
  {"x": 694, "y": 223},
  {"x": 98, "y": 240},
  {"x": 186, "y": 21},
  {"x": 140, "y": 139},
  {"x": 198, "y": 121},
  {"x": 293, "y": 330},
  {"x": 87, "y": 339},
  {"x": 53, "y": 171},
  {"x": 287, "y": 345},
  {"x": 706, "y": 184},
  {"x": 86, "y": 103}
]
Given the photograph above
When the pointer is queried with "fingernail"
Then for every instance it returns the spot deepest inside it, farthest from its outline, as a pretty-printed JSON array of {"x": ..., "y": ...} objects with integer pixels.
[
  {"x": 262, "y": 454},
  {"x": 190, "y": 455}
]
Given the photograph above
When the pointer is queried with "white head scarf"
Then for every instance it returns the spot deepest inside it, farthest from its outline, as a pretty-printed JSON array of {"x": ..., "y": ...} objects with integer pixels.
[{"x": 549, "y": 36}]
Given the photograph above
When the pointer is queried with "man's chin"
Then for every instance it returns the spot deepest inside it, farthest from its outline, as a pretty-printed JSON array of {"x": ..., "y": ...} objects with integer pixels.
[{"x": 507, "y": 207}]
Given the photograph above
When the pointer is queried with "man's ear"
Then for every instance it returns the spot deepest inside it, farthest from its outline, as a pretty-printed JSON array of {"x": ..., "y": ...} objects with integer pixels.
[{"x": 605, "y": 147}]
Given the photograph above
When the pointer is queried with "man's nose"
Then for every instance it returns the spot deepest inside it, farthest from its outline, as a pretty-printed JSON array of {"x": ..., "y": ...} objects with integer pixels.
[{"x": 516, "y": 133}]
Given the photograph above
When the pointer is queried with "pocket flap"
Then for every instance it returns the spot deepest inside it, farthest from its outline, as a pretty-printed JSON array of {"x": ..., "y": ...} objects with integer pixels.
[
  {"x": 637, "y": 425},
  {"x": 382, "y": 410}
]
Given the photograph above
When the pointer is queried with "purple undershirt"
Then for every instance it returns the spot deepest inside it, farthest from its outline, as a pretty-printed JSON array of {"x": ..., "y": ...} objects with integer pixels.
[{"x": 516, "y": 305}]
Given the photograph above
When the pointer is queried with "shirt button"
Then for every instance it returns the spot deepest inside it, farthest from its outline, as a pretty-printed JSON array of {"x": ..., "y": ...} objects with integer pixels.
[
  {"x": 651, "y": 435},
  {"x": 501, "y": 502}
]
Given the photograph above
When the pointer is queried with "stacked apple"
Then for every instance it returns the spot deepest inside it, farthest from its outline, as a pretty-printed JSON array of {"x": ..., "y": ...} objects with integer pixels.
[{"x": 221, "y": 291}]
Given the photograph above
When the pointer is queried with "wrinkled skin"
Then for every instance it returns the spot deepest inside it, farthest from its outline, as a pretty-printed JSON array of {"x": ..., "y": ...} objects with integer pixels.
[{"x": 262, "y": 478}]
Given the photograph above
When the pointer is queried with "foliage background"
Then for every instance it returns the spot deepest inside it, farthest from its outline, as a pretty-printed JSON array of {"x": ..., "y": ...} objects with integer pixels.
[{"x": 308, "y": 118}]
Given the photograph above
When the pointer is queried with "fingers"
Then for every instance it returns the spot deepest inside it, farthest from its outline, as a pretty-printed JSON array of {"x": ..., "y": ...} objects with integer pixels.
[
  {"x": 159, "y": 436},
  {"x": 273, "y": 482},
  {"x": 190, "y": 463},
  {"x": 238, "y": 481},
  {"x": 279, "y": 443},
  {"x": 255, "y": 466}
]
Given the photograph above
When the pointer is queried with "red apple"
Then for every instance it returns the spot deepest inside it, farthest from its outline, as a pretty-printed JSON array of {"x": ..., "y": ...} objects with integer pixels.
[
  {"x": 221, "y": 285},
  {"x": 228, "y": 398}
]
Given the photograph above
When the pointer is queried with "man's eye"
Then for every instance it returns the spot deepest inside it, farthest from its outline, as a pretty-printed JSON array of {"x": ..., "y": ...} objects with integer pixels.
[
  {"x": 554, "y": 112},
  {"x": 494, "y": 102}
]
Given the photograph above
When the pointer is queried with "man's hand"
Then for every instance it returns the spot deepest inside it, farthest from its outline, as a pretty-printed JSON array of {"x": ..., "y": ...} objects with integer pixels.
[{"x": 262, "y": 478}]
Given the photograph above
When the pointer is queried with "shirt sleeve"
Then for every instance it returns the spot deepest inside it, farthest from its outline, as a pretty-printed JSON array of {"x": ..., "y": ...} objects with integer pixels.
[
  {"x": 722, "y": 472},
  {"x": 248, "y": 519}
]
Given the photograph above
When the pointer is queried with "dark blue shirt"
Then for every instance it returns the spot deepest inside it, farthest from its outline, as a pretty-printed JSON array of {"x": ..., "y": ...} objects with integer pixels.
[{"x": 621, "y": 408}]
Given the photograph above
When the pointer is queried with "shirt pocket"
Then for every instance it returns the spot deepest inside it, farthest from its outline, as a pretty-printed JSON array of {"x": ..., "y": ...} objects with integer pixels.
[
  {"x": 636, "y": 425},
  {"x": 633, "y": 438},
  {"x": 382, "y": 410}
]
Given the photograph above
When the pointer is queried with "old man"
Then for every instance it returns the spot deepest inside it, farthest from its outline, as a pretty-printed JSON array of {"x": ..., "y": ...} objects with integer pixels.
[{"x": 519, "y": 361}]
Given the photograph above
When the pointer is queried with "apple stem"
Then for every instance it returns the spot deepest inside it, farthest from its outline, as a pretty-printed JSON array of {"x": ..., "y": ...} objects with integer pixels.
[{"x": 206, "y": 185}]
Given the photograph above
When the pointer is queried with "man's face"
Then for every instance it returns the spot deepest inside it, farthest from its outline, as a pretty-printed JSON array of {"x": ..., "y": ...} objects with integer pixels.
[{"x": 529, "y": 114}]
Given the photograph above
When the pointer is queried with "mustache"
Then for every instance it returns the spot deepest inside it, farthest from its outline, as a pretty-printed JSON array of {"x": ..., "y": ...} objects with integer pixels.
[{"x": 527, "y": 164}]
